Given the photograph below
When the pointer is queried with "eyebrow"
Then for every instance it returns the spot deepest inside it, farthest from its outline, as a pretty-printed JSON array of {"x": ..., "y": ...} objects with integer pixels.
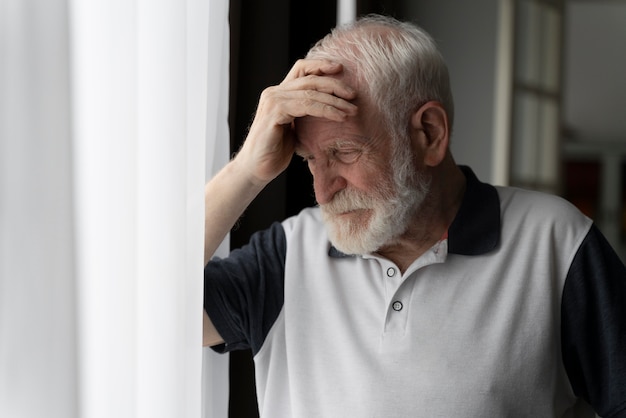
[
  {"x": 349, "y": 143},
  {"x": 298, "y": 149},
  {"x": 336, "y": 145}
]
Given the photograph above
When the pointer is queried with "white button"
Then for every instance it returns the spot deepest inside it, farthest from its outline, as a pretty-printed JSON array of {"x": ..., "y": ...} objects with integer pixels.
[
  {"x": 391, "y": 272},
  {"x": 397, "y": 306}
]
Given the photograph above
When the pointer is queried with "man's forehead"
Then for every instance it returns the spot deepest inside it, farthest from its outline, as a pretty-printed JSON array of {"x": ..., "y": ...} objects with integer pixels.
[
  {"x": 312, "y": 126},
  {"x": 312, "y": 132}
]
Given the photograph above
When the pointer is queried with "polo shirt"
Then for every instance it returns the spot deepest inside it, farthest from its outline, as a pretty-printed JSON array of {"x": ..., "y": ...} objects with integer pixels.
[{"x": 519, "y": 312}]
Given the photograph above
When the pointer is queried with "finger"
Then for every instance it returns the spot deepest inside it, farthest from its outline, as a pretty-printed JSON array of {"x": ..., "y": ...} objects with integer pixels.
[
  {"x": 306, "y": 67},
  {"x": 302, "y": 103},
  {"x": 328, "y": 85}
]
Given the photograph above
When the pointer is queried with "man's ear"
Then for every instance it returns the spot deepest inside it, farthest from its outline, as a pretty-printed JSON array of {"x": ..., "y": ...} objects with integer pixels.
[{"x": 429, "y": 126}]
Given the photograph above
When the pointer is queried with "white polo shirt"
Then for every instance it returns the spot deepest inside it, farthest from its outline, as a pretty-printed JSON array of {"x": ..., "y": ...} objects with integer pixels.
[{"x": 515, "y": 314}]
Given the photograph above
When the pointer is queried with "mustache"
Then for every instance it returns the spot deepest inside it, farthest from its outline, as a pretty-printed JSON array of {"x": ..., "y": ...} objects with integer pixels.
[{"x": 348, "y": 200}]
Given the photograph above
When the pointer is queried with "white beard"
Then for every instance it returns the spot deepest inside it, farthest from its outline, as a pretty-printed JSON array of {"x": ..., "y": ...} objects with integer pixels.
[{"x": 380, "y": 217}]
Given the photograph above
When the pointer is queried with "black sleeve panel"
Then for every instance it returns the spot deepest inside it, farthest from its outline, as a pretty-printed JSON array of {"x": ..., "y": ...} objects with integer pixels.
[
  {"x": 593, "y": 326},
  {"x": 244, "y": 293}
]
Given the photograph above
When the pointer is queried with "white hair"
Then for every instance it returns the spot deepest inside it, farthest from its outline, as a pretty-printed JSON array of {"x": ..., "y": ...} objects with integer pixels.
[{"x": 397, "y": 63}]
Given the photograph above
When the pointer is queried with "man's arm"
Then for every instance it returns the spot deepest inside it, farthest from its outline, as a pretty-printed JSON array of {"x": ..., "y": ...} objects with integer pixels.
[
  {"x": 593, "y": 326},
  {"x": 210, "y": 336},
  {"x": 268, "y": 149}
]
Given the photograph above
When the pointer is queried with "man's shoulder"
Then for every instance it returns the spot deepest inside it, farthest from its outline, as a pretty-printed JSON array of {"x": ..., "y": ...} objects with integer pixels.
[
  {"x": 535, "y": 209},
  {"x": 306, "y": 234},
  {"x": 311, "y": 216},
  {"x": 531, "y": 198}
]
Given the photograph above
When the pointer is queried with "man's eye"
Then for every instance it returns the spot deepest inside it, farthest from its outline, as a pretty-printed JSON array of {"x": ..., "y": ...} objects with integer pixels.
[{"x": 347, "y": 156}]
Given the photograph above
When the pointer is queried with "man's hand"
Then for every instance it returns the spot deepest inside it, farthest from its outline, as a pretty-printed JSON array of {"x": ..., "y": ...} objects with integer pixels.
[{"x": 306, "y": 91}]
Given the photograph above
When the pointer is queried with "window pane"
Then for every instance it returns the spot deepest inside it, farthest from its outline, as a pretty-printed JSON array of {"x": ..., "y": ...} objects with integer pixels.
[
  {"x": 528, "y": 42},
  {"x": 550, "y": 68},
  {"x": 548, "y": 137},
  {"x": 524, "y": 149}
]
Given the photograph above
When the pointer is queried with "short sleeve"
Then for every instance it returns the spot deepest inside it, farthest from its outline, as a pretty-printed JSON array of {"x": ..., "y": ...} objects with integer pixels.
[
  {"x": 593, "y": 326},
  {"x": 244, "y": 292}
]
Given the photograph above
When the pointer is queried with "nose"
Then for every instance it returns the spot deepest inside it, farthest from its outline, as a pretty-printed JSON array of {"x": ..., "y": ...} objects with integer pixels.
[{"x": 326, "y": 182}]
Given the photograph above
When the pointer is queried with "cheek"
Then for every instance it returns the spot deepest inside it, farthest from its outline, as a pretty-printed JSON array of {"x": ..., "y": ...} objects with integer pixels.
[{"x": 374, "y": 178}]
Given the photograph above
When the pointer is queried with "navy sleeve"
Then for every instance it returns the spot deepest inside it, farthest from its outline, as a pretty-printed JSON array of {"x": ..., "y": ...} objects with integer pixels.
[
  {"x": 594, "y": 326},
  {"x": 244, "y": 293}
]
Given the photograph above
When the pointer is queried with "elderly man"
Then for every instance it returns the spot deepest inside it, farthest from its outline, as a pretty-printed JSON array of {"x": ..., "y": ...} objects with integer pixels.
[{"x": 413, "y": 289}]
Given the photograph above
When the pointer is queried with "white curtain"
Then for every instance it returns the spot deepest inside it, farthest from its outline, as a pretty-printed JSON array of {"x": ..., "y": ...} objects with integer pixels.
[
  {"x": 215, "y": 367},
  {"x": 105, "y": 111}
]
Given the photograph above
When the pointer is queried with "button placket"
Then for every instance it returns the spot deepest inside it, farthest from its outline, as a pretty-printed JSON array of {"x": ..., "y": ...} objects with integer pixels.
[
  {"x": 396, "y": 310},
  {"x": 394, "y": 281},
  {"x": 397, "y": 313},
  {"x": 397, "y": 303},
  {"x": 391, "y": 278}
]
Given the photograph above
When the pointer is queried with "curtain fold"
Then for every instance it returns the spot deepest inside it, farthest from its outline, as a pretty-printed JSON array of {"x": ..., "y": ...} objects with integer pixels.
[
  {"x": 37, "y": 286},
  {"x": 215, "y": 367},
  {"x": 104, "y": 124}
]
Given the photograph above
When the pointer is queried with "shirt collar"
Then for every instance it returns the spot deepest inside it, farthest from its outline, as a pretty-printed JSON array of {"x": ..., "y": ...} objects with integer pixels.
[{"x": 475, "y": 229}]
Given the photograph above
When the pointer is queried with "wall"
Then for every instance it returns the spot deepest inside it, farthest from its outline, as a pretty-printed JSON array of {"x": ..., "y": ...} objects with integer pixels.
[
  {"x": 595, "y": 34},
  {"x": 466, "y": 33}
]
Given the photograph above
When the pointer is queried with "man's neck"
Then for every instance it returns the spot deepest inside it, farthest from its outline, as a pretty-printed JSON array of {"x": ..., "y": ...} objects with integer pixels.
[{"x": 431, "y": 221}]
